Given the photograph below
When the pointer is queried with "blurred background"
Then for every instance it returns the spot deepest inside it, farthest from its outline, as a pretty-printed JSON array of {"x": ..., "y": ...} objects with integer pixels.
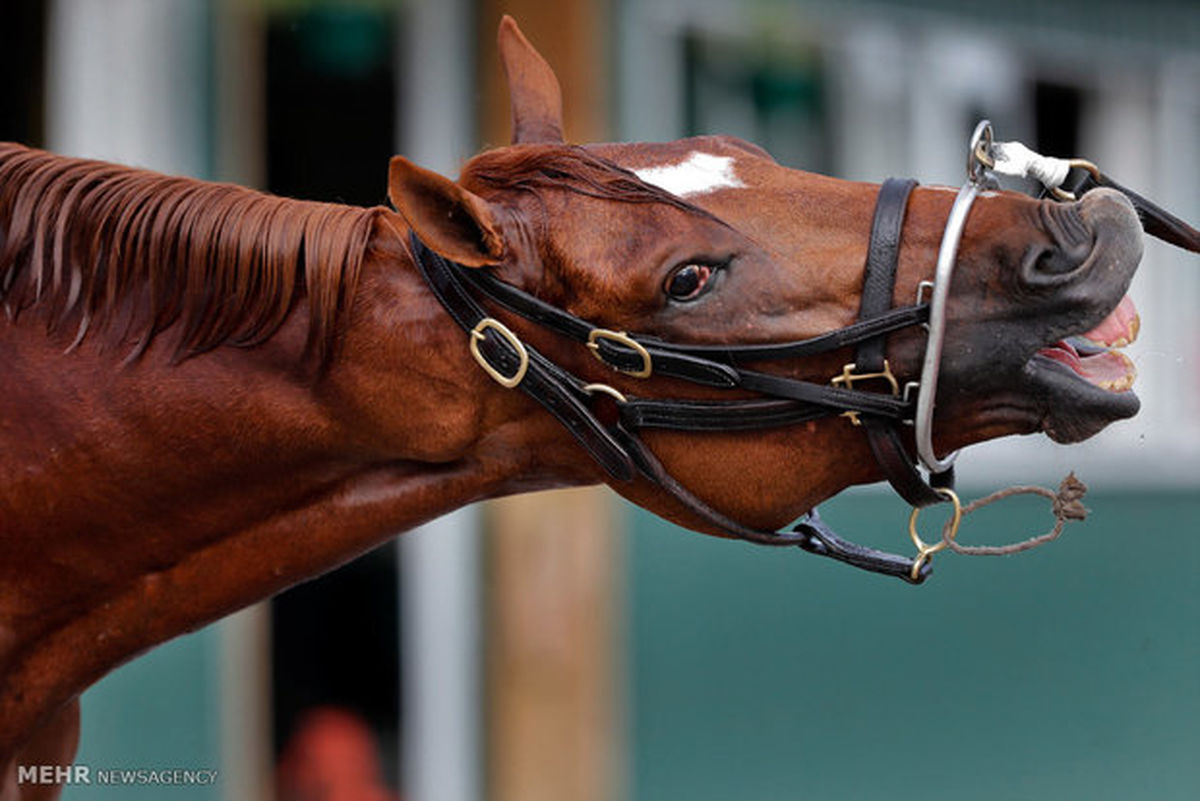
[{"x": 566, "y": 646}]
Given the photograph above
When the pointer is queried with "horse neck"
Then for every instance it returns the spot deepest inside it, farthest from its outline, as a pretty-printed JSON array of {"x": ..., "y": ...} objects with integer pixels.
[
  {"x": 173, "y": 494},
  {"x": 400, "y": 390}
]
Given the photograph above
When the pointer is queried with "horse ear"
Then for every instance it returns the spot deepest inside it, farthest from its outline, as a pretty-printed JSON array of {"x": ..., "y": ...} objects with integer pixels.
[
  {"x": 535, "y": 93},
  {"x": 451, "y": 221}
]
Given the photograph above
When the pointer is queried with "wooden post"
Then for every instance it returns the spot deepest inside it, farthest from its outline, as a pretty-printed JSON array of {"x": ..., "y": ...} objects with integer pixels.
[
  {"x": 239, "y": 155},
  {"x": 552, "y": 558},
  {"x": 552, "y": 716},
  {"x": 572, "y": 35}
]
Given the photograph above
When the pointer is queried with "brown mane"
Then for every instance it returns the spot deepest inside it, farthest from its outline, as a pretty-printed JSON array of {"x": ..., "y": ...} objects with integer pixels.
[{"x": 134, "y": 252}]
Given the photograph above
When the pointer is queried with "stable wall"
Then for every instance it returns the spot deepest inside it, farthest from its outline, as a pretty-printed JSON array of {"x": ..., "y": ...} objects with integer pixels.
[{"x": 1069, "y": 671}]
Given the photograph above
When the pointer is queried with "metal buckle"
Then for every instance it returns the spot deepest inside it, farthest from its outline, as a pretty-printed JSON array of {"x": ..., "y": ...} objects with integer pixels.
[
  {"x": 605, "y": 389},
  {"x": 621, "y": 338},
  {"x": 500, "y": 328},
  {"x": 848, "y": 377},
  {"x": 924, "y": 549},
  {"x": 911, "y": 388},
  {"x": 1083, "y": 164},
  {"x": 979, "y": 153}
]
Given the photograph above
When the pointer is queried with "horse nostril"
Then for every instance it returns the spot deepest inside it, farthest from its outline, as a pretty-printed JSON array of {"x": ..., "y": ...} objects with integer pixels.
[
  {"x": 1052, "y": 260},
  {"x": 1070, "y": 244},
  {"x": 1048, "y": 265}
]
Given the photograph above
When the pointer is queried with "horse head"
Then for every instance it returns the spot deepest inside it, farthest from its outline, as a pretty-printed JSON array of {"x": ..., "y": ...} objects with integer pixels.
[{"x": 708, "y": 240}]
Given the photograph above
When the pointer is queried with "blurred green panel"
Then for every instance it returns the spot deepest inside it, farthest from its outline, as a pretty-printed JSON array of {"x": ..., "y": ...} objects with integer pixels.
[
  {"x": 1072, "y": 671},
  {"x": 159, "y": 712}
]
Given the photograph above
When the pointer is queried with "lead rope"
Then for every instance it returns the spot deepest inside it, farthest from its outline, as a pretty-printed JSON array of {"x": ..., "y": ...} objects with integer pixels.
[{"x": 1066, "y": 505}]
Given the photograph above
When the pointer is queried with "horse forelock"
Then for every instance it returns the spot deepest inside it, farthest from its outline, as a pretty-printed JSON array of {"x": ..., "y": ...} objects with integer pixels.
[
  {"x": 538, "y": 169},
  {"x": 128, "y": 254}
]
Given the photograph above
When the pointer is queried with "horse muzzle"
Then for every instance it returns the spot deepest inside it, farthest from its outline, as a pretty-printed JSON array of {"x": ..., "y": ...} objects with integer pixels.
[{"x": 1082, "y": 380}]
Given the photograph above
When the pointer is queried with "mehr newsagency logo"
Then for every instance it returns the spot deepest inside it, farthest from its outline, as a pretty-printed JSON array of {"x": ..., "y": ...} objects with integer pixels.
[{"x": 87, "y": 774}]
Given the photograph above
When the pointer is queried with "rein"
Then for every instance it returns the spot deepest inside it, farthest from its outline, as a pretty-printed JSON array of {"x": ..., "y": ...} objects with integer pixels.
[{"x": 611, "y": 437}]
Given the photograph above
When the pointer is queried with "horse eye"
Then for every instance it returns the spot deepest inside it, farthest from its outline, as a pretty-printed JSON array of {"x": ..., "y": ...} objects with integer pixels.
[{"x": 688, "y": 281}]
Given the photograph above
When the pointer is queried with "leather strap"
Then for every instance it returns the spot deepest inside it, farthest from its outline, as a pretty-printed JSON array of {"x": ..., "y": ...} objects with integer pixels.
[
  {"x": 1156, "y": 220},
  {"x": 557, "y": 391},
  {"x": 715, "y": 365},
  {"x": 698, "y": 415},
  {"x": 879, "y": 281},
  {"x": 810, "y": 534},
  {"x": 624, "y": 358}
]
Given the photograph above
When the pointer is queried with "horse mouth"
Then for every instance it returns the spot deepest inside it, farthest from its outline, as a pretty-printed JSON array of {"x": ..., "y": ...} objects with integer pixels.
[{"x": 1087, "y": 380}]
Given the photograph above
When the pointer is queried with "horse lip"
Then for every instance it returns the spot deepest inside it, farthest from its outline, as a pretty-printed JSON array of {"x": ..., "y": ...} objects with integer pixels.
[{"x": 1073, "y": 409}]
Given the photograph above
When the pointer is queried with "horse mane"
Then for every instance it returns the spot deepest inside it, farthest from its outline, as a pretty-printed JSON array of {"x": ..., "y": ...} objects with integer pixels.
[
  {"x": 542, "y": 167},
  {"x": 133, "y": 253}
]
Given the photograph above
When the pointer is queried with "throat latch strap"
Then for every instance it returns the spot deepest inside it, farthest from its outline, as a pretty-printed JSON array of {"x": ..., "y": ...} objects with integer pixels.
[{"x": 515, "y": 364}]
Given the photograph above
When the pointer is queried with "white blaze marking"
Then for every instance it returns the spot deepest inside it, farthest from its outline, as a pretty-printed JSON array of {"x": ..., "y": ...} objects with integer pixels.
[{"x": 698, "y": 174}]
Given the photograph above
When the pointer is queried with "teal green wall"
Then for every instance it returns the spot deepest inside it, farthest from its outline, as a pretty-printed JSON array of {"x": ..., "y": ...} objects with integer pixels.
[
  {"x": 158, "y": 712},
  {"x": 1070, "y": 672}
]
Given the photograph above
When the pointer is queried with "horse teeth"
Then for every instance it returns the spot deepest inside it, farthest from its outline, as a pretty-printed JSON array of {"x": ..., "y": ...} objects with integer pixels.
[
  {"x": 1117, "y": 330},
  {"x": 1120, "y": 385},
  {"x": 1124, "y": 382},
  {"x": 1131, "y": 335},
  {"x": 1135, "y": 327}
]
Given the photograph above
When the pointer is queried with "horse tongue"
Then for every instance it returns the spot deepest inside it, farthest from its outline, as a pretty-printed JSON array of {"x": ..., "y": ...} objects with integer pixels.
[{"x": 1117, "y": 329}]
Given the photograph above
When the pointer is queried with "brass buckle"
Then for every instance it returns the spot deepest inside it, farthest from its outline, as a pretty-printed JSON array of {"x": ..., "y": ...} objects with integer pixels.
[
  {"x": 848, "y": 377},
  {"x": 605, "y": 389},
  {"x": 500, "y": 328},
  {"x": 621, "y": 338},
  {"x": 924, "y": 549},
  {"x": 979, "y": 156},
  {"x": 1082, "y": 164}
]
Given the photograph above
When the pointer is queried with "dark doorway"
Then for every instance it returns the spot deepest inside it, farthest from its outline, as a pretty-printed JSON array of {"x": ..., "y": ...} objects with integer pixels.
[
  {"x": 331, "y": 103},
  {"x": 1058, "y": 113},
  {"x": 330, "y": 99},
  {"x": 22, "y": 63}
]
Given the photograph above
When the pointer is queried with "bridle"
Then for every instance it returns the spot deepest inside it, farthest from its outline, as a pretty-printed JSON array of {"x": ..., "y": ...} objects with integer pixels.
[
  {"x": 608, "y": 429},
  {"x": 612, "y": 439}
]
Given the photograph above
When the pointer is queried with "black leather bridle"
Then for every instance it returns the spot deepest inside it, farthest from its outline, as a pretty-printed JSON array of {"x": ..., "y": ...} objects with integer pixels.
[
  {"x": 608, "y": 429},
  {"x": 612, "y": 439}
]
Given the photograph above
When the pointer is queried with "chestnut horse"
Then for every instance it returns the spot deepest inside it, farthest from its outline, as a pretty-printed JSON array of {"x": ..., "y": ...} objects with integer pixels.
[{"x": 211, "y": 394}]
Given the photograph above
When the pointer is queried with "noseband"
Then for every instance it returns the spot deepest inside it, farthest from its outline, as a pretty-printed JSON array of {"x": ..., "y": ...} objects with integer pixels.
[{"x": 607, "y": 422}]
